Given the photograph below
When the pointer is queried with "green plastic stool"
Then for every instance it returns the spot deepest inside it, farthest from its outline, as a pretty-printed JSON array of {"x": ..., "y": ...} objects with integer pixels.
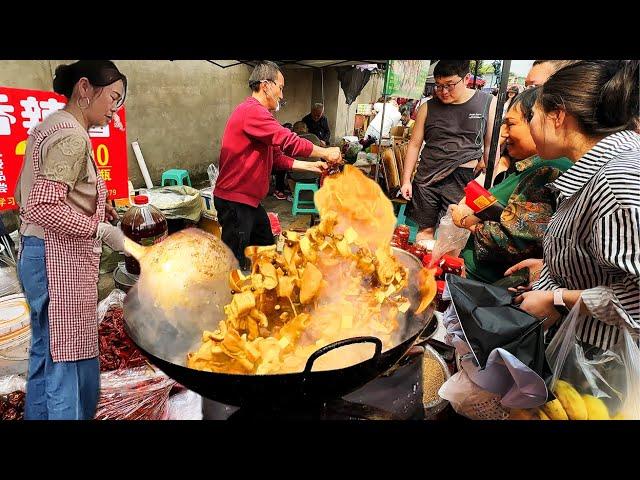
[
  {"x": 175, "y": 175},
  {"x": 402, "y": 219},
  {"x": 297, "y": 202}
]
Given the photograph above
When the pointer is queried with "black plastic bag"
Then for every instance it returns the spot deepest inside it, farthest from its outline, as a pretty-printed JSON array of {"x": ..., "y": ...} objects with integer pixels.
[
  {"x": 352, "y": 81},
  {"x": 490, "y": 320}
]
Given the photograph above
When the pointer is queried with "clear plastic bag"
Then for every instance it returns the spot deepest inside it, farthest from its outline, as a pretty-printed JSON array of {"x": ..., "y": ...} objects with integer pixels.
[
  {"x": 586, "y": 379},
  {"x": 12, "y": 383},
  {"x": 213, "y": 172},
  {"x": 12, "y": 397},
  {"x": 9, "y": 283},
  {"x": 451, "y": 239},
  {"x": 134, "y": 394},
  {"x": 186, "y": 405},
  {"x": 114, "y": 299}
]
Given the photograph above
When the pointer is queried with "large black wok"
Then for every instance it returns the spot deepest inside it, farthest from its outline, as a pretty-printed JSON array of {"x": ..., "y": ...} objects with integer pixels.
[{"x": 291, "y": 388}]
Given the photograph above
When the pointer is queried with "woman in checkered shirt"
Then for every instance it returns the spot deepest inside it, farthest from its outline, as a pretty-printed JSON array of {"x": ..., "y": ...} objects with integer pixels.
[{"x": 64, "y": 215}]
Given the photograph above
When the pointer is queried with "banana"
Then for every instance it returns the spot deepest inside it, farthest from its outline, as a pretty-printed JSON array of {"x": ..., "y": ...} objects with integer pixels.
[
  {"x": 541, "y": 414},
  {"x": 571, "y": 400},
  {"x": 554, "y": 410},
  {"x": 596, "y": 409}
]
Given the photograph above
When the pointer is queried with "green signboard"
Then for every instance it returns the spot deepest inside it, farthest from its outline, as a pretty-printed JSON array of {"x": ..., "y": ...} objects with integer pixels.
[{"x": 406, "y": 78}]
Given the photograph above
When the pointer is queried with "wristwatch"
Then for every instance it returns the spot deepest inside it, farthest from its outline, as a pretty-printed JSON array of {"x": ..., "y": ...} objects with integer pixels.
[{"x": 558, "y": 302}]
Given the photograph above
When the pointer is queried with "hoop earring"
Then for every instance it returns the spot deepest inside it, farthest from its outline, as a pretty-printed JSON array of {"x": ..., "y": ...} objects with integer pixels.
[{"x": 80, "y": 105}]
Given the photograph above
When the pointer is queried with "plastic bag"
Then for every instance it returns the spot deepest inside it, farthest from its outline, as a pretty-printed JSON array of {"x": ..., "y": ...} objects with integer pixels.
[
  {"x": 470, "y": 400},
  {"x": 274, "y": 221},
  {"x": 12, "y": 397},
  {"x": 133, "y": 394},
  {"x": 12, "y": 383},
  {"x": 9, "y": 283},
  {"x": 451, "y": 239},
  {"x": 177, "y": 202},
  {"x": 213, "y": 173},
  {"x": 186, "y": 405},
  {"x": 115, "y": 298},
  {"x": 611, "y": 376}
]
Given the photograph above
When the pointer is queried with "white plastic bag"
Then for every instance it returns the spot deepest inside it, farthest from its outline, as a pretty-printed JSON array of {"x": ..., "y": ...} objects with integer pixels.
[
  {"x": 116, "y": 297},
  {"x": 12, "y": 383},
  {"x": 186, "y": 405},
  {"x": 451, "y": 239},
  {"x": 213, "y": 172}
]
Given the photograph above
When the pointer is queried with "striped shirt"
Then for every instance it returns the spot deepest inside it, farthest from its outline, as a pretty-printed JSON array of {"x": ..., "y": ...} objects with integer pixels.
[{"x": 593, "y": 240}]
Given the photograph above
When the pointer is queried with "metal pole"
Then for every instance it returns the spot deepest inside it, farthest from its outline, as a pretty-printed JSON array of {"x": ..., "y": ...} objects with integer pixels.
[
  {"x": 497, "y": 122},
  {"x": 475, "y": 75},
  {"x": 384, "y": 104}
]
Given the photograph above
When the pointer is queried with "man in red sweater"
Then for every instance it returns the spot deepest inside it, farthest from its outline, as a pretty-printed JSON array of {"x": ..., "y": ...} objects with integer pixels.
[{"x": 253, "y": 143}]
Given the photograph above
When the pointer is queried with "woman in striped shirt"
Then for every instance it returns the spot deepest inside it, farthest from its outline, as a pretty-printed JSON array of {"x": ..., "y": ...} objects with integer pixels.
[{"x": 586, "y": 112}]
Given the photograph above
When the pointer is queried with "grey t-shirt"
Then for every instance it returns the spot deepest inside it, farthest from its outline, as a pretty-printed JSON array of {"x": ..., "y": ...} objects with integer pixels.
[{"x": 453, "y": 136}]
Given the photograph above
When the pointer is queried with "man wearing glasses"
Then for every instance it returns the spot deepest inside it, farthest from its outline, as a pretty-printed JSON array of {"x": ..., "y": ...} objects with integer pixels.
[
  {"x": 541, "y": 70},
  {"x": 456, "y": 126},
  {"x": 252, "y": 144}
]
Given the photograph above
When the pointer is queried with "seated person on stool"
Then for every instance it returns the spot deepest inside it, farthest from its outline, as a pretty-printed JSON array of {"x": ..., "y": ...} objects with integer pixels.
[{"x": 304, "y": 176}]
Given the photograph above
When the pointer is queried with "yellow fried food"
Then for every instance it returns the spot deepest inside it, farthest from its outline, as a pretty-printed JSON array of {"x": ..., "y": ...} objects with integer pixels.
[
  {"x": 427, "y": 287},
  {"x": 338, "y": 280},
  {"x": 311, "y": 282},
  {"x": 358, "y": 203}
]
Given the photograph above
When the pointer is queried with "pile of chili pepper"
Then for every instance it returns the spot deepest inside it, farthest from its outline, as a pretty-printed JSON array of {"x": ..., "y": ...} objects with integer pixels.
[
  {"x": 134, "y": 394},
  {"x": 12, "y": 406},
  {"x": 117, "y": 351}
]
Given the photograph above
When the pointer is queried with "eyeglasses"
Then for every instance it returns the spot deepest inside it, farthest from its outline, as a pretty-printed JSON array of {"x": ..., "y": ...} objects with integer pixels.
[
  {"x": 281, "y": 87},
  {"x": 447, "y": 87}
]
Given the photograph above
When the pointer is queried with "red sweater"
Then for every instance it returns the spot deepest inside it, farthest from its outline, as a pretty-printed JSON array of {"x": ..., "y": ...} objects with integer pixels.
[{"x": 253, "y": 143}]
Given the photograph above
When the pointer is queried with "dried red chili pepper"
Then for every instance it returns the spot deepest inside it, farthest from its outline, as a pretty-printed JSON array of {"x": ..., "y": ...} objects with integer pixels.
[{"x": 117, "y": 351}]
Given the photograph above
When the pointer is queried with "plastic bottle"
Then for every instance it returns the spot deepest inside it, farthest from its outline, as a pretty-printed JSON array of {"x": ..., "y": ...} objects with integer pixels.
[{"x": 144, "y": 224}]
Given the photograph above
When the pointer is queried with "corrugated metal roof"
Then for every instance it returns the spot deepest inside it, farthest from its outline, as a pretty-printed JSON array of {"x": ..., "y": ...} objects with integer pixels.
[{"x": 298, "y": 63}]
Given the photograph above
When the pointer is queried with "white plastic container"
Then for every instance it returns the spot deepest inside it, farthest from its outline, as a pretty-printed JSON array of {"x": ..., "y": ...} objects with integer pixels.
[{"x": 15, "y": 335}]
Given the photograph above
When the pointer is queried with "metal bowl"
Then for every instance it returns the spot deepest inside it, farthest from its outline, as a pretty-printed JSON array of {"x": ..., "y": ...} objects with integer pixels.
[{"x": 434, "y": 407}]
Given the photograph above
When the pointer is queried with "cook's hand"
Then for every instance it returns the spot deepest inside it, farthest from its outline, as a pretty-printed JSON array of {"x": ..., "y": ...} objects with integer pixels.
[
  {"x": 110, "y": 213},
  {"x": 407, "y": 190},
  {"x": 533, "y": 264},
  {"x": 316, "y": 167},
  {"x": 539, "y": 304},
  {"x": 333, "y": 155},
  {"x": 111, "y": 235}
]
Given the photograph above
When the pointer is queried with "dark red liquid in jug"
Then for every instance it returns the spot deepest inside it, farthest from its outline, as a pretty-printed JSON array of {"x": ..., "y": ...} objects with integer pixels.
[{"x": 144, "y": 224}]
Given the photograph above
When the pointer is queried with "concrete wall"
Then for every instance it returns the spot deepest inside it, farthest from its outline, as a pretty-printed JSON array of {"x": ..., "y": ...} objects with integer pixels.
[
  {"x": 297, "y": 94},
  {"x": 176, "y": 110},
  {"x": 331, "y": 90}
]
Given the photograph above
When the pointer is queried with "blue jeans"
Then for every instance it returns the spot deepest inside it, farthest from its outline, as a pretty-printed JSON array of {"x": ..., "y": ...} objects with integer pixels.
[{"x": 55, "y": 390}]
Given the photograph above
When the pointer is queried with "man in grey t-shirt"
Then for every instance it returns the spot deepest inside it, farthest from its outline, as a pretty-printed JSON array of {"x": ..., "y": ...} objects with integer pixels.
[{"x": 456, "y": 127}]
